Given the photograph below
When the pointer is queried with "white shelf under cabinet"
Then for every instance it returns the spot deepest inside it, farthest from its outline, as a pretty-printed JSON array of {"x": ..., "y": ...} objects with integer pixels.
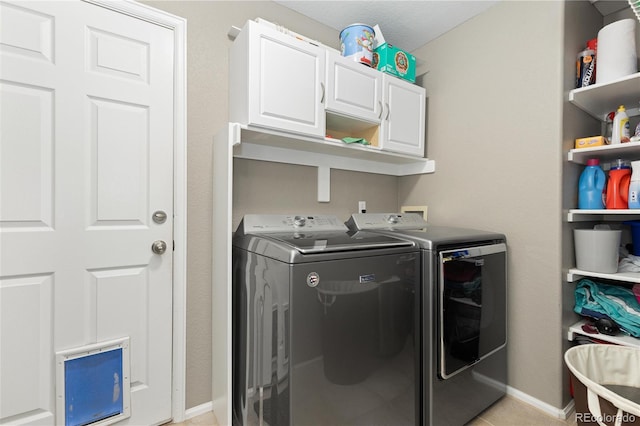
[
  {"x": 600, "y": 99},
  {"x": 253, "y": 143},
  {"x": 620, "y": 339},
  {"x": 269, "y": 145},
  {"x": 575, "y": 274}
]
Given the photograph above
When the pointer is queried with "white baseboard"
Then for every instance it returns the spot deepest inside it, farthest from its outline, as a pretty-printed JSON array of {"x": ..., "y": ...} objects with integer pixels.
[
  {"x": 513, "y": 392},
  {"x": 541, "y": 405},
  {"x": 198, "y": 410}
]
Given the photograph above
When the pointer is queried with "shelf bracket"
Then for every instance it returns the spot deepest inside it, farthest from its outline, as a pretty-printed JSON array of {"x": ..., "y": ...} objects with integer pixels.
[{"x": 324, "y": 184}]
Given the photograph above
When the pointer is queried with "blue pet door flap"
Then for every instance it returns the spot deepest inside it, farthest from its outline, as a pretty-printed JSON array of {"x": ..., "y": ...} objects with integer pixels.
[{"x": 94, "y": 384}]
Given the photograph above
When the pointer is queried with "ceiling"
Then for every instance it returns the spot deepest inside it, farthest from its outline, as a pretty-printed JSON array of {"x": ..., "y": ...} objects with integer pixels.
[
  {"x": 408, "y": 24},
  {"x": 405, "y": 24}
]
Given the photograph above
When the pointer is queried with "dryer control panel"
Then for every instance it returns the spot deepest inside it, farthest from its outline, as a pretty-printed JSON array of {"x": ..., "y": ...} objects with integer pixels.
[
  {"x": 370, "y": 221},
  {"x": 265, "y": 223}
]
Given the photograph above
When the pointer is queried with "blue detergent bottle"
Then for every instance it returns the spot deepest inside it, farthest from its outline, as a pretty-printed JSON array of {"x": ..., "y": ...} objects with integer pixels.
[{"x": 591, "y": 185}]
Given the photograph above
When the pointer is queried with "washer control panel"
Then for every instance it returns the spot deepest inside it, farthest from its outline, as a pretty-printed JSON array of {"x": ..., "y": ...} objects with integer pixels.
[
  {"x": 364, "y": 221},
  {"x": 263, "y": 223}
]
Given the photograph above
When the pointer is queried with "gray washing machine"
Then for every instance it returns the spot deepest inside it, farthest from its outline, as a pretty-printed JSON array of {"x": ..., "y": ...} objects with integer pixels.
[
  {"x": 326, "y": 324},
  {"x": 465, "y": 314}
]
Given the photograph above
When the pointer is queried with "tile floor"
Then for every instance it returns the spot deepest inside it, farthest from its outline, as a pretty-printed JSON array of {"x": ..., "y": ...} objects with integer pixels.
[{"x": 506, "y": 412}]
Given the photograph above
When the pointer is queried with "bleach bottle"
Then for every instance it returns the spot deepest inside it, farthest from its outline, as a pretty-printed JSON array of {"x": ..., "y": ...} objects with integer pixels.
[
  {"x": 591, "y": 186},
  {"x": 634, "y": 186}
]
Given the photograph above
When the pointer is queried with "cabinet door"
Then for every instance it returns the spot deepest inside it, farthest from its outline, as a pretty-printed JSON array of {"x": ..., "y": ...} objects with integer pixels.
[
  {"x": 353, "y": 89},
  {"x": 286, "y": 82},
  {"x": 404, "y": 122}
]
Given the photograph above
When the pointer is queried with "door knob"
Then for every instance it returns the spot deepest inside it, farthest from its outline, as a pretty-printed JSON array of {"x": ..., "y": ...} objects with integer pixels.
[
  {"x": 159, "y": 216},
  {"x": 159, "y": 247}
]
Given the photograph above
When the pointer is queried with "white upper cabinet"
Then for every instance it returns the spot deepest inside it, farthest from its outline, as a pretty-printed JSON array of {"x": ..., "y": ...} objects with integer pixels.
[
  {"x": 281, "y": 82},
  {"x": 353, "y": 89},
  {"x": 403, "y": 124},
  {"x": 276, "y": 81}
]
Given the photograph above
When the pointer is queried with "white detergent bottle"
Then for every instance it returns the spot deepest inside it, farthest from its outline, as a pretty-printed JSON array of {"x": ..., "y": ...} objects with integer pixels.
[
  {"x": 634, "y": 186},
  {"x": 620, "y": 126}
]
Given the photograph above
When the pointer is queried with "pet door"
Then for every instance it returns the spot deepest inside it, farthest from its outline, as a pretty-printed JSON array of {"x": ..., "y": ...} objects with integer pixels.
[{"x": 93, "y": 384}]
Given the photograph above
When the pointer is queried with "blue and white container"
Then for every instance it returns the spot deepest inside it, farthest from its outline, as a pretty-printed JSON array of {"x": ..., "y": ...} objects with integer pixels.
[
  {"x": 591, "y": 185},
  {"x": 356, "y": 42}
]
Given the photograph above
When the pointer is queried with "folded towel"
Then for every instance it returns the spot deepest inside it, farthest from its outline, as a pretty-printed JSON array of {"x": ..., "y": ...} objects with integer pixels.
[
  {"x": 618, "y": 303},
  {"x": 362, "y": 141}
]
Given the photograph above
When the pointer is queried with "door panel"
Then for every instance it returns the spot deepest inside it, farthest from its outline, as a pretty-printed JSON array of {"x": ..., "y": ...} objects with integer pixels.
[
  {"x": 287, "y": 79},
  {"x": 120, "y": 175},
  {"x": 404, "y": 126},
  {"x": 353, "y": 89},
  {"x": 25, "y": 322},
  {"x": 26, "y": 170},
  {"x": 86, "y": 156}
]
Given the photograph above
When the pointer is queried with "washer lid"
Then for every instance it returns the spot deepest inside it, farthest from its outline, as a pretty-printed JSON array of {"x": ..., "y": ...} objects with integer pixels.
[{"x": 323, "y": 242}]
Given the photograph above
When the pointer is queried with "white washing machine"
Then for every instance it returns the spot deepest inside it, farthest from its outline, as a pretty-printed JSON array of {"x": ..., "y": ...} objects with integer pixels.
[{"x": 464, "y": 318}]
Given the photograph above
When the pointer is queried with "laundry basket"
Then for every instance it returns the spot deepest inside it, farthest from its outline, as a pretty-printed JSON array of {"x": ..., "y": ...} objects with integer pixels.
[{"x": 606, "y": 384}]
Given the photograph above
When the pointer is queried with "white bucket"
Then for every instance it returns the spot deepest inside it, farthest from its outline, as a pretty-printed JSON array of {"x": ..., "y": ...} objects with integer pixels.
[{"x": 597, "y": 249}]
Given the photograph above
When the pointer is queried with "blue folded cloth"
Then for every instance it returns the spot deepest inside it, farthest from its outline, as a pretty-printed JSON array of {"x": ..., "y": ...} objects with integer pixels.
[{"x": 618, "y": 303}]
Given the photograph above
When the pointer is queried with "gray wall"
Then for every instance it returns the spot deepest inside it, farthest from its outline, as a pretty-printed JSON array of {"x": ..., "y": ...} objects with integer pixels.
[
  {"x": 494, "y": 128},
  {"x": 497, "y": 88}
]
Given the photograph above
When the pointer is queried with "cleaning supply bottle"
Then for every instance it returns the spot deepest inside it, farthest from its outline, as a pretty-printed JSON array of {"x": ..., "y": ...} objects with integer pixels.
[
  {"x": 586, "y": 65},
  {"x": 634, "y": 186},
  {"x": 591, "y": 186},
  {"x": 617, "y": 192},
  {"x": 621, "y": 127}
]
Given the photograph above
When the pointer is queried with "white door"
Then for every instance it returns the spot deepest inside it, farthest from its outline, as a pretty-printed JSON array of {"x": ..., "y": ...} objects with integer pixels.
[
  {"x": 286, "y": 82},
  {"x": 353, "y": 88},
  {"x": 404, "y": 122},
  {"x": 86, "y": 154}
]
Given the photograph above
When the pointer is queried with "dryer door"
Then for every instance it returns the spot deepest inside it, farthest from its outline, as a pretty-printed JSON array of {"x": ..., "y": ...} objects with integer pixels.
[{"x": 472, "y": 286}]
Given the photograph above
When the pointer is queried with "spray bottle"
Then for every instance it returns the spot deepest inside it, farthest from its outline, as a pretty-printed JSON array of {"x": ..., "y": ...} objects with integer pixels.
[{"x": 621, "y": 126}]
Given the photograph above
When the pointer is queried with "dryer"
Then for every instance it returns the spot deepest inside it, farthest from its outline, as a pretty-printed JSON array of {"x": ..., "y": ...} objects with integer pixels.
[
  {"x": 464, "y": 289},
  {"x": 326, "y": 324}
]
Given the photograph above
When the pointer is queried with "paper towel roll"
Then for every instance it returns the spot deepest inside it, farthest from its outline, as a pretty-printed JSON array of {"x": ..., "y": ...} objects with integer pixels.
[{"x": 616, "y": 54}]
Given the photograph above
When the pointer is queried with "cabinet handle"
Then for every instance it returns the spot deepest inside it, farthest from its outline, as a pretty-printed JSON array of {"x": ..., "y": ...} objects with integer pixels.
[
  {"x": 381, "y": 109},
  {"x": 387, "y": 104},
  {"x": 322, "y": 98}
]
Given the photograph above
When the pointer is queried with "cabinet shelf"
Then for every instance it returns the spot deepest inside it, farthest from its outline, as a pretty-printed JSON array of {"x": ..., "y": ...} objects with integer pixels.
[
  {"x": 619, "y": 339},
  {"x": 281, "y": 147},
  {"x": 600, "y": 99},
  {"x": 629, "y": 151},
  {"x": 583, "y": 215},
  {"x": 575, "y": 274}
]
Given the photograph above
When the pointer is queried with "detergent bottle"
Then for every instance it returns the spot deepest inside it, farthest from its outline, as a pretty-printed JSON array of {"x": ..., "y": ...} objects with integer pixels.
[
  {"x": 621, "y": 127},
  {"x": 634, "y": 186},
  {"x": 591, "y": 186},
  {"x": 618, "y": 185}
]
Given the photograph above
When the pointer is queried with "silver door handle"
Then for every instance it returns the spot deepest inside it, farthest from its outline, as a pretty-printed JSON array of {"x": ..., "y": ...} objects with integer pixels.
[
  {"x": 387, "y": 117},
  {"x": 159, "y": 247},
  {"x": 322, "y": 99},
  {"x": 159, "y": 216},
  {"x": 381, "y": 109}
]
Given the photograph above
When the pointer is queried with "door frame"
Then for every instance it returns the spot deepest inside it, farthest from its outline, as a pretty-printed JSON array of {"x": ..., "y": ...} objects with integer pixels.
[{"x": 179, "y": 27}]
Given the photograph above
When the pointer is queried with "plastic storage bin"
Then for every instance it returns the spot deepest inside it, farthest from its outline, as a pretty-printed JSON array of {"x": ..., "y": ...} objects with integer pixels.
[
  {"x": 597, "y": 249},
  {"x": 606, "y": 384}
]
